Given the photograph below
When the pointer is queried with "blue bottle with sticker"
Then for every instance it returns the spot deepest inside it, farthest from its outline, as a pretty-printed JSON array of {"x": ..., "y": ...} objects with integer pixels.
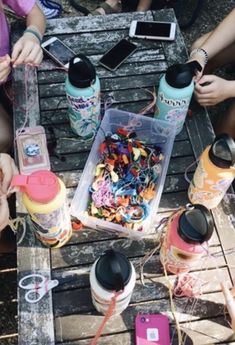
[
  {"x": 83, "y": 96},
  {"x": 175, "y": 92}
]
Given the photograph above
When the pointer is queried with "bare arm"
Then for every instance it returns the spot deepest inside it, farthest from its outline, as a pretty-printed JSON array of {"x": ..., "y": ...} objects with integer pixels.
[
  {"x": 37, "y": 19},
  {"x": 28, "y": 48}
]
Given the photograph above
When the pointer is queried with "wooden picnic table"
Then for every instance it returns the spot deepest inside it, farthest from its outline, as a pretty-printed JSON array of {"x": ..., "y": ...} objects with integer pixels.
[{"x": 66, "y": 315}]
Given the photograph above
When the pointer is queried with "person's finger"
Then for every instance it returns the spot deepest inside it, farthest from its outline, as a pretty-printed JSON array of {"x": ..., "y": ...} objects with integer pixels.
[
  {"x": 39, "y": 58},
  {"x": 32, "y": 57},
  {"x": 15, "y": 171},
  {"x": 7, "y": 173},
  {"x": 22, "y": 53},
  {"x": 4, "y": 212},
  {"x": 16, "y": 50}
]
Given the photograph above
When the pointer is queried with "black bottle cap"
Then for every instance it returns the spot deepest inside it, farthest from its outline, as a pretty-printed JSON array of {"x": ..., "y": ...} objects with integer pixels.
[
  {"x": 81, "y": 72},
  {"x": 222, "y": 151},
  {"x": 181, "y": 75},
  {"x": 196, "y": 224},
  {"x": 113, "y": 270}
]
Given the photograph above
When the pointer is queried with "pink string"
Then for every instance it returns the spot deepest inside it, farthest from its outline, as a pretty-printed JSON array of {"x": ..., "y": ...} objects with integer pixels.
[{"x": 26, "y": 78}]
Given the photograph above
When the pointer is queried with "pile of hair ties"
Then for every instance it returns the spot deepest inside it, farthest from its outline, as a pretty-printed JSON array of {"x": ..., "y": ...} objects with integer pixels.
[{"x": 125, "y": 179}]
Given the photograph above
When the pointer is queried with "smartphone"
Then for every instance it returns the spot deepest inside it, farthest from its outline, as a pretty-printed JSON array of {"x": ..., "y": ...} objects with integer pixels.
[
  {"x": 117, "y": 54},
  {"x": 152, "y": 329},
  {"x": 58, "y": 51},
  {"x": 164, "y": 31},
  {"x": 32, "y": 149}
]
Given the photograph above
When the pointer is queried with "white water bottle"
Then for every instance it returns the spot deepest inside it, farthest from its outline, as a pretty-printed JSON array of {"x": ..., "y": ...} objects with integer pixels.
[{"x": 110, "y": 274}]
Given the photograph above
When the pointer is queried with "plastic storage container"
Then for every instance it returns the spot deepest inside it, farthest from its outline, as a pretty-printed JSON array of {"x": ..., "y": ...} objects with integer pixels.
[{"x": 149, "y": 130}]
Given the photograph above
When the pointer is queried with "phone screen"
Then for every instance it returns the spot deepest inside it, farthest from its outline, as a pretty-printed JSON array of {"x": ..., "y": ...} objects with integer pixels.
[
  {"x": 59, "y": 51},
  {"x": 153, "y": 29},
  {"x": 116, "y": 55}
]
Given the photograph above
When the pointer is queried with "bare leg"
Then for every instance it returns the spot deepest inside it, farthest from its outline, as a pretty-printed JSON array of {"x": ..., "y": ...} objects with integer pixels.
[
  {"x": 114, "y": 5},
  {"x": 144, "y": 5},
  {"x": 223, "y": 58}
]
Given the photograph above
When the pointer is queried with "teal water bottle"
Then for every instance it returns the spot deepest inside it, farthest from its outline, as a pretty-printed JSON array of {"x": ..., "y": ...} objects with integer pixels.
[
  {"x": 175, "y": 92},
  {"x": 83, "y": 95}
]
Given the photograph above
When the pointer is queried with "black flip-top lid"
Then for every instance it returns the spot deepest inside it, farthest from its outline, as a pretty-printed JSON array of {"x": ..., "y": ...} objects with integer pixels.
[
  {"x": 222, "y": 151},
  {"x": 196, "y": 224},
  {"x": 81, "y": 72},
  {"x": 181, "y": 75},
  {"x": 113, "y": 270}
]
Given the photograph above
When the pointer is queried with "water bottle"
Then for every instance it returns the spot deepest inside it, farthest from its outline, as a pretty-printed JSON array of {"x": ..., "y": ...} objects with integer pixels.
[
  {"x": 214, "y": 174},
  {"x": 111, "y": 273},
  {"x": 175, "y": 92},
  {"x": 44, "y": 196},
  {"x": 186, "y": 240},
  {"x": 83, "y": 96}
]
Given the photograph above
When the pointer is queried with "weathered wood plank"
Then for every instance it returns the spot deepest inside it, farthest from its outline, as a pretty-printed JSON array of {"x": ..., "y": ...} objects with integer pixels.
[
  {"x": 67, "y": 327},
  {"x": 120, "y": 83},
  {"x": 25, "y": 90},
  {"x": 33, "y": 257},
  {"x": 83, "y": 24},
  {"x": 79, "y": 300},
  {"x": 87, "y": 253}
]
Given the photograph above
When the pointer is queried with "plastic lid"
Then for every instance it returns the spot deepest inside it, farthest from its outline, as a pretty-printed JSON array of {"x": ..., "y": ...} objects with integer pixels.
[
  {"x": 81, "y": 72},
  {"x": 222, "y": 151},
  {"x": 41, "y": 186},
  {"x": 196, "y": 224},
  {"x": 181, "y": 75},
  {"x": 113, "y": 270}
]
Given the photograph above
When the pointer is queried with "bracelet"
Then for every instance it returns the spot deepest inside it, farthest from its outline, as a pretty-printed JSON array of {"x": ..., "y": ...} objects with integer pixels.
[
  {"x": 202, "y": 52},
  {"x": 35, "y": 33}
]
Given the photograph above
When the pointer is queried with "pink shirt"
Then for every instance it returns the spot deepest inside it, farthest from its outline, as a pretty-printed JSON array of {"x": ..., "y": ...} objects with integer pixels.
[{"x": 21, "y": 8}]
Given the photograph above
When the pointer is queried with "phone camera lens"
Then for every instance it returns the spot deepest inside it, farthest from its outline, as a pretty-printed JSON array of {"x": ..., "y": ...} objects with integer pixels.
[{"x": 142, "y": 319}]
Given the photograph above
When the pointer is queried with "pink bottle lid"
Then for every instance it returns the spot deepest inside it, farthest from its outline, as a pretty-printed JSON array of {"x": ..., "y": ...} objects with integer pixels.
[{"x": 41, "y": 186}]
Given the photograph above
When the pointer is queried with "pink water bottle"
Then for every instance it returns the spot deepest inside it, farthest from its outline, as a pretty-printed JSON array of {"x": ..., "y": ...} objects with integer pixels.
[{"x": 187, "y": 237}]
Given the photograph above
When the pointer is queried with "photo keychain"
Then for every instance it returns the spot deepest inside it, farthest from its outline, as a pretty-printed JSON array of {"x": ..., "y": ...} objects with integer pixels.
[{"x": 32, "y": 149}]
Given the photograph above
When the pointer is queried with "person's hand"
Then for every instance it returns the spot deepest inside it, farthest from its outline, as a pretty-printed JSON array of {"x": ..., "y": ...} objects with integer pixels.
[
  {"x": 210, "y": 90},
  {"x": 5, "y": 67},
  {"x": 230, "y": 303},
  {"x": 7, "y": 169},
  {"x": 27, "y": 50},
  {"x": 4, "y": 212}
]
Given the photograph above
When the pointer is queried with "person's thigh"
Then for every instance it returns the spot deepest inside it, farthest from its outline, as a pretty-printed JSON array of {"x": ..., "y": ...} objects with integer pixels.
[{"x": 226, "y": 122}]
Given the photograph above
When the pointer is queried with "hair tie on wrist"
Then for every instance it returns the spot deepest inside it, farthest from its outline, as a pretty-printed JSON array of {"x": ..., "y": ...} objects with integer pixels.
[
  {"x": 202, "y": 52},
  {"x": 36, "y": 34}
]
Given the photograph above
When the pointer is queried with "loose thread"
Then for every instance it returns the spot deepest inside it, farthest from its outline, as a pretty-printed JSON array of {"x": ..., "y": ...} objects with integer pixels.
[
  {"x": 108, "y": 314},
  {"x": 151, "y": 105},
  {"x": 173, "y": 310},
  {"x": 187, "y": 169}
]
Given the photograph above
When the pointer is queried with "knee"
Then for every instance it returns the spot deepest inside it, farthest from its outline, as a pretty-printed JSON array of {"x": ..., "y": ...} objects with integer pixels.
[
  {"x": 227, "y": 123},
  {"x": 6, "y": 131},
  {"x": 6, "y": 140}
]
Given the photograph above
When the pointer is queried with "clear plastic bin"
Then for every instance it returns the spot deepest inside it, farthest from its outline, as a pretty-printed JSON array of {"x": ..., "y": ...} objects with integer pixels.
[{"x": 149, "y": 130}]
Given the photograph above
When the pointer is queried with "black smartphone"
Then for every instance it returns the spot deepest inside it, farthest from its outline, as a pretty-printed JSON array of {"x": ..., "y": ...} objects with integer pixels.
[
  {"x": 117, "y": 54},
  {"x": 58, "y": 51}
]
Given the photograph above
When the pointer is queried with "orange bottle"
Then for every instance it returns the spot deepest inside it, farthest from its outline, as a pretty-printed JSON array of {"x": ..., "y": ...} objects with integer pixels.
[{"x": 214, "y": 174}]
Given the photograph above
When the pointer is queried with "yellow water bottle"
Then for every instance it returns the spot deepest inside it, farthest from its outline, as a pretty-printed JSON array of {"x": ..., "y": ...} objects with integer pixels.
[
  {"x": 44, "y": 196},
  {"x": 214, "y": 174}
]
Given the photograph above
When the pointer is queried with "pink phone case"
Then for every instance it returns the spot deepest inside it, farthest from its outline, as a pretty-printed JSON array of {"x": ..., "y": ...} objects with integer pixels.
[
  {"x": 152, "y": 329},
  {"x": 32, "y": 150}
]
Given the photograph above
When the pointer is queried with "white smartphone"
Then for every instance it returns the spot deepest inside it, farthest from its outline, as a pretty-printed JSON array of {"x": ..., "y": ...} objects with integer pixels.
[
  {"x": 164, "y": 31},
  {"x": 113, "y": 58},
  {"x": 58, "y": 51}
]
